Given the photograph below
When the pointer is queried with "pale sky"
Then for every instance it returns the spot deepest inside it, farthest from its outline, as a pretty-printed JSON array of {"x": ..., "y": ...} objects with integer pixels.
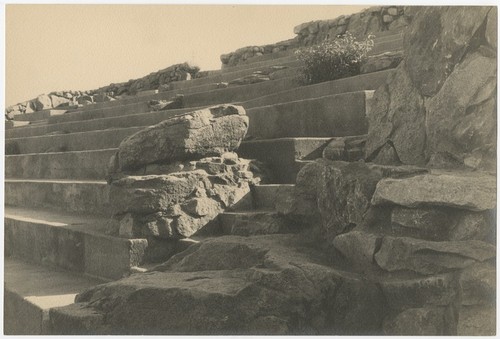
[{"x": 82, "y": 47}]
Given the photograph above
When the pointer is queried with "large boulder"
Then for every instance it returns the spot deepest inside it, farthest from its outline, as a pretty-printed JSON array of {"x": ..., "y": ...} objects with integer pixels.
[
  {"x": 441, "y": 102},
  {"x": 461, "y": 117},
  {"x": 437, "y": 40},
  {"x": 207, "y": 132},
  {"x": 275, "y": 284},
  {"x": 42, "y": 102}
]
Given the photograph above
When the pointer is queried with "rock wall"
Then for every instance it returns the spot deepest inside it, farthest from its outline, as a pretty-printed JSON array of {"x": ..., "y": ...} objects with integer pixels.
[
  {"x": 65, "y": 99},
  {"x": 439, "y": 109},
  {"x": 418, "y": 218},
  {"x": 371, "y": 20}
]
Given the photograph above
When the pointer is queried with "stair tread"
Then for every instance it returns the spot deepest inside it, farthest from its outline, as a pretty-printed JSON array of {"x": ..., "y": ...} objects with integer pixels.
[
  {"x": 54, "y": 218},
  {"x": 43, "y": 286},
  {"x": 59, "y": 181}
]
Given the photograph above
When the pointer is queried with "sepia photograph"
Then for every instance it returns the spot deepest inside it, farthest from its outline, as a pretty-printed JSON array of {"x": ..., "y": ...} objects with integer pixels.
[{"x": 250, "y": 169}]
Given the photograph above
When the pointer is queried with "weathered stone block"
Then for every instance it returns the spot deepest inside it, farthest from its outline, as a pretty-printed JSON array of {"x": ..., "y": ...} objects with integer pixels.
[
  {"x": 207, "y": 132},
  {"x": 429, "y": 257}
]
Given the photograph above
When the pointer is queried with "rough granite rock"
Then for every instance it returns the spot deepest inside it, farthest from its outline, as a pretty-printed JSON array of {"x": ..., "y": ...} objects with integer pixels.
[
  {"x": 461, "y": 117},
  {"x": 437, "y": 40},
  {"x": 430, "y": 257},
  {"x": 179, "y": 202},
  {"x": 207, "y": 132},
  {"x": 358, "y": 247},
  {"x": 417, "y": 321},
  {"x": 42, "y": 102},
  {"x": 441, "y": 100},
  {"x": 474, "y": 191},
  {"x": 398, "y": 116},
  {"x": 478, "y": 284},
  {"x": 58, "y": 101},
  {"x": 415, "y": 292},
  {"x": 276, "y": 284},
  {"x": 477, "y": 320}
]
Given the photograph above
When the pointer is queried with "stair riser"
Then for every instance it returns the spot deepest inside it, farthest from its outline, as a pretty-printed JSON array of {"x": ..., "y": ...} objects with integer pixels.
[
  {"x": 92, "y": 198},
  {"x": 364, "y": 82},
  {"x": 369, "y": 81},
  {"x": 229, "y": 76},
  {"x": 93, "y": 254},
  {"x": 115, "y": 111},
  {"x": 22, "y": 317},
  {"x": 254, "y": 224},
  {"x": 338, "y": 115},
  {"x": 202, "y": 97},
  {"x": 69, "y": 165},
  {"x": 280, "y": 155},
  {"x": 39, "y": 115},
  {"x": 92, "y": 140},
  {"x": 273, "y": 197}
]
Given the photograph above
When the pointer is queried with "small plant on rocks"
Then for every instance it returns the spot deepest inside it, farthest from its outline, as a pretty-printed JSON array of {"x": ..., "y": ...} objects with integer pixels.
[{"x": 334, "y": 59}]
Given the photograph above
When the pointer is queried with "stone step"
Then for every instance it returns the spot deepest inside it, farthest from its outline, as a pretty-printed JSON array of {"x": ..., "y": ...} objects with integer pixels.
[
  {"x": 328, "y": 116},
  {"x": 264, "y": 59},
  {"x": 30, "y": 291},
  {"x": 64, "y": 165},
  {"x": 72, "y": 196},
  {"x": 9, "y": 124},
  {"x": 184, "y": 84},
  {"x": 39, "y": 115},
  {"x": 233, "y": 74},
  {"x": 368, "y": 81},
  {"x": 90, "y": 140},
  {"x": 281, "y": 154},
  {"x": 249, "y": 223},
  {"x": 70, "y": 242},
  {"x": 273, "y": 196},
  {"x": 391, "y": 45},
  {"x": 363, "y": 82},
  {"x": 134, "y": 108}
]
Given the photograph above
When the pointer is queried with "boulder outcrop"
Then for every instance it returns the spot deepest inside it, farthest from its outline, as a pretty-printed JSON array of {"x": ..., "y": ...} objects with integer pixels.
[{"x": 441, "y": 103}]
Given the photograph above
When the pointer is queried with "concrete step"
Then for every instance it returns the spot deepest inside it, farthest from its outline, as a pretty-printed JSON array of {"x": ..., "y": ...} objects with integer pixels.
[
  {"x": 334, "y": 115},
  {"x": 64, "y": 165},
  {"x": 233, "y": 74},
  {"x": 248, "y": 223},
  {"x": 368, "y": 81},
  {"x": 73, "y": 243},
  {"x": 90, "y": 140},
  {"x": 179, "y": 85},
  {"x": 72, "y": 196},
  {"x": 39, "y": 115},
  {"x": 281, "y": 154},
  {"x": 30, "y": 291},
  {"x": 134, "y": 108},
  {"x": 258, "y": 61},
  {"x": 273, "y": 196},
  {"x": 198, "y": 96},
  {"x": 328, "y": 116}
]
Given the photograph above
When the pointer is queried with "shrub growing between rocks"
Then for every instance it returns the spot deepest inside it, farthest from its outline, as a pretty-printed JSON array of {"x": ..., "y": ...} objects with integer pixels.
[{"x": 334, "y": 59}]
